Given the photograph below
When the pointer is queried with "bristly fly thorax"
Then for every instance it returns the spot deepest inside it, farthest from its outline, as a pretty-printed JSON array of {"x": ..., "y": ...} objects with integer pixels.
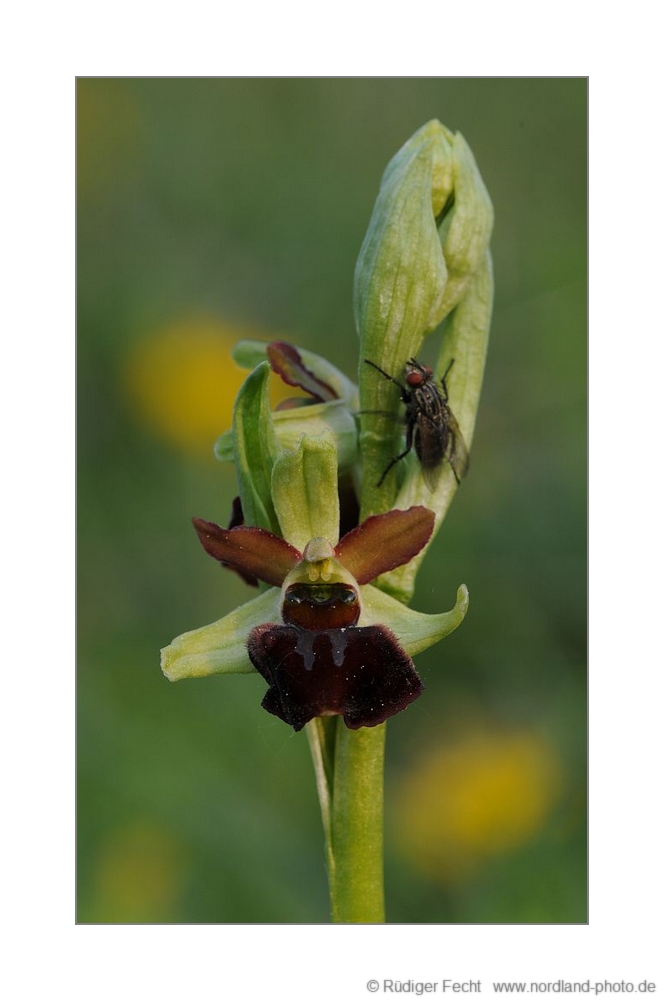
[{"x": 431, "y": 427}]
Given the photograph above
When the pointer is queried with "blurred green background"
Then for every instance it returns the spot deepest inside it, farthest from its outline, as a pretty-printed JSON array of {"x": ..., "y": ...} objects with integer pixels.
[{"x": 212, "y": 209}]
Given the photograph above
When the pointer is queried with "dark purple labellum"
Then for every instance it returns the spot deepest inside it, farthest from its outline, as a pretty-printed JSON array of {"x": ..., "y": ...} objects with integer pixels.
[{"x": 360, "y": 673}]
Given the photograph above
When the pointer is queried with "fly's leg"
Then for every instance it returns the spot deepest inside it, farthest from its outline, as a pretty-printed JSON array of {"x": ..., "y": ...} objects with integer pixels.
[
  {"x": 392, "y": 463},
  {"x": 405, "y": 395},
  {"x": 409, "y": 445},
  {"x": 443, "y": 380}
]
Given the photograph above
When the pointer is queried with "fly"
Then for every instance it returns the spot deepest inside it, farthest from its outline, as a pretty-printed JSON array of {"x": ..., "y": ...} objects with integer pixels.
[{"x": 431, "y": 427}]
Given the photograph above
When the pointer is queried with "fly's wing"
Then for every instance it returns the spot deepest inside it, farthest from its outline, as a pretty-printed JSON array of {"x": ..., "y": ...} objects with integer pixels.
[
  {"x": 431, "y": 442},
  {"x": 431, "y": 475},
  {"x": 436, "y": 445},
  {"x": 457, "y": 453}
]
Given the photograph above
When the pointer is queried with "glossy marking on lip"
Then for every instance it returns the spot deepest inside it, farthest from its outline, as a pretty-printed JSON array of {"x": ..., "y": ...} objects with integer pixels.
[{"x": 321, "y": 606}]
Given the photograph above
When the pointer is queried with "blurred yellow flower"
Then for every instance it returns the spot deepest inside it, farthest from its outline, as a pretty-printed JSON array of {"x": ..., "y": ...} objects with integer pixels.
[
  {"x": 137, "y": 876},
  {"x": 481, "y": 796},
  {"x": 182, "y": 380}
]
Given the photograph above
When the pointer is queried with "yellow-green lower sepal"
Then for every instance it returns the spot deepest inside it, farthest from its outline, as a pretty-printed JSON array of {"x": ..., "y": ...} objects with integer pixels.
[
  {"x": 220, "y": 648},
  {"x": 414, "y": 630}
]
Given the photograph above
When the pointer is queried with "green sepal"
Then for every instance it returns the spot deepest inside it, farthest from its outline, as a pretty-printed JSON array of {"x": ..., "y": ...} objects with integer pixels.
[
  {"x": 220, "y": 648},
  {"x": 414, "y": 631},
  {"x": 255, "y": 448},
  {"x": 305, "y": 493}
]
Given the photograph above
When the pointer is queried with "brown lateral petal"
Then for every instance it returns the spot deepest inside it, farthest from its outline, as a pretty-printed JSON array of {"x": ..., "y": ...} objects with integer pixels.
[
  {"x": 385, "y": 541},
  {"x": 360, "y": 673},
  {"x": 286, "y": 361},
  {"x": 252, "y": 551}
]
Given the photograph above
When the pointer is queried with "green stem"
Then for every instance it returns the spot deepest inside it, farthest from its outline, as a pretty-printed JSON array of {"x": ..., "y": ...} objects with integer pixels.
[
  {"x": 356, "y": 880},
  {"x": 349, "y": 776}
]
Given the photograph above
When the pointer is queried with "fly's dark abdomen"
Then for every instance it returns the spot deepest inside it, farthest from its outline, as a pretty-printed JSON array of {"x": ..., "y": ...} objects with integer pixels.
[
  {"x": 431, "y": 442},
  {"x": 426, "y": 410}
]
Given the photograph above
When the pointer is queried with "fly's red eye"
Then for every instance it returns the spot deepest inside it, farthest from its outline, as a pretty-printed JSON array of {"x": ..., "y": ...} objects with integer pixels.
[{"x": 414, "y": 378}]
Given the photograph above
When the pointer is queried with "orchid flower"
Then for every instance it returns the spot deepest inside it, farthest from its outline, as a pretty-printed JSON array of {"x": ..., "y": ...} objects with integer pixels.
[{"x": 320, "y": 636}]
